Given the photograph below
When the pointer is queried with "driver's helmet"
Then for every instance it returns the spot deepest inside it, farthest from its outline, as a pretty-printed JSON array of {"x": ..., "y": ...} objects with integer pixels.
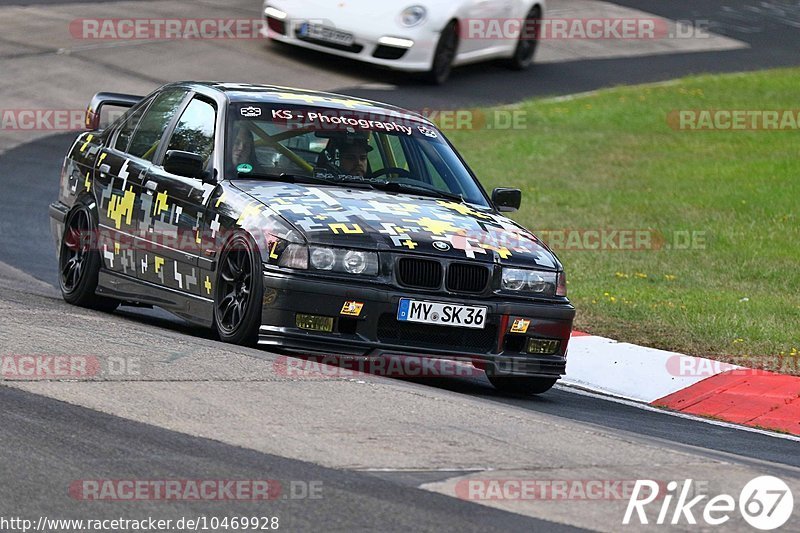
[{"x": 340, "y": 144}]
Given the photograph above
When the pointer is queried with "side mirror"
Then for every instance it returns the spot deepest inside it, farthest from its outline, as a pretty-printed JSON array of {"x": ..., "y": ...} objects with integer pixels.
[
  {"x": 506, "y": 200},
  {"x": 184, "y": 164}
]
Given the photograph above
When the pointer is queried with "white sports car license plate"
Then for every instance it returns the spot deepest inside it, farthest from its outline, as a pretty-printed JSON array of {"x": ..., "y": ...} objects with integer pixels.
[
  {"x": 441, "y": 314},
  {"x": 319, "y": 32}
]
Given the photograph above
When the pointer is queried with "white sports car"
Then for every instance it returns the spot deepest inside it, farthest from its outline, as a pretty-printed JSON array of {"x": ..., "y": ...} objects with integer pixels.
[{"x": 427, "y": 36}]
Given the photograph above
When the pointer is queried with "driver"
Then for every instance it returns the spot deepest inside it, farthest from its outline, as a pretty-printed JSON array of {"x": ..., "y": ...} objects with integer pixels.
[{"x": 352, "y": 152}]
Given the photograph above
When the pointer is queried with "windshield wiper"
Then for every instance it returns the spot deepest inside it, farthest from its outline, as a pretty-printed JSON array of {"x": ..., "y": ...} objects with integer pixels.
[
  {"x": 285, "y": 177},
  {"x": 400, "y": 186}
]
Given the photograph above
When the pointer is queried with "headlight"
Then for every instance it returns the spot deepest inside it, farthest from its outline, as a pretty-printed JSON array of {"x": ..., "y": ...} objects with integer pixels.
[
  {"x": 536, "y": 282},
  {"x": 275, "y": 13},
  {"x": 357, "y": 262},
  {"x": 330, "y": 260},
  {"x": 413, "y": 16},
  {"x": 322, "y": 258}
]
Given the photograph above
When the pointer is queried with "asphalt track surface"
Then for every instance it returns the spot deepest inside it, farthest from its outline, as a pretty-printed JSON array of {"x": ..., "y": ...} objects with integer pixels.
[
  {"x": 72, "y": 441},
  {"x": 105, "y": 447}
]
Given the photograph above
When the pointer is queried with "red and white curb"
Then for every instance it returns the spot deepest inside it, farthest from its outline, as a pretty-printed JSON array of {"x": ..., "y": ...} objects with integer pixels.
[{"x": 690, "y": 385}]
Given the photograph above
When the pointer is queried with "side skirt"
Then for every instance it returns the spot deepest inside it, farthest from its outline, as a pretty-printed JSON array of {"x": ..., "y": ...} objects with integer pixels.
[{"x": 195, "y": 309}]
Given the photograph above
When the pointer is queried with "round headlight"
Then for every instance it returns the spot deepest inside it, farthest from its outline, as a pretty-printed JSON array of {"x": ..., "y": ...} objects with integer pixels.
[
  {"x": 514, "y": 279},
  {"x": 323, "y": 258},
  {"x": 536, "y": 283},
  {"x": 355, "y": 262},
  {"x": 413, "y": 16}
]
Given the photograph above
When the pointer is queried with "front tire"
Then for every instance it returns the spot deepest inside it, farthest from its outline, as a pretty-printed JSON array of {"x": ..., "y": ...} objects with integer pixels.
[
  {"x": 528, "y": 40},
  {"x": 522, "y": 385},
  {"x": 239, "y": 292},
  {"x": 79, "y": 262},
  {"x": 444, "y": 55}
]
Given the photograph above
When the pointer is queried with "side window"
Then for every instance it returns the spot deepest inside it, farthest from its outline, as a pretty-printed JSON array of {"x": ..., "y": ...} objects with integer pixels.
[
  {"x": 144, "y": 143},
  {"x": 127, "y": 129},
  {"x": 195, "y": 130}
]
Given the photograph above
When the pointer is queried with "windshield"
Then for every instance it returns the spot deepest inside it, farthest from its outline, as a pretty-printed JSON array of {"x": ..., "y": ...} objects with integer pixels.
[{"x": 336, "y": 146}]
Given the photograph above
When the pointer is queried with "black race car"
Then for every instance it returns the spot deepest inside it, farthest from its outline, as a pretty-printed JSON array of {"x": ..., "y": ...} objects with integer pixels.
[{"x": 310, "y": 222}]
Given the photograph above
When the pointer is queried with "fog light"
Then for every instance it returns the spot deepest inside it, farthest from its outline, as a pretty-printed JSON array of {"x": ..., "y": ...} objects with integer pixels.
[
  {"x": 314, "y": 322},
  {"x": 543, "y": 346}
]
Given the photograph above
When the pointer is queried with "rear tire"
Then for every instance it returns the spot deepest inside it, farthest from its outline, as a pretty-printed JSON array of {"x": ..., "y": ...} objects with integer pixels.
[
  {"x": 528, "y": 40},
  {"x": 79, "y": 262},
  {"x": 522, "y": 385},
  {"x": 444, "y": 55},
  {"x": 239, "y": 292}
]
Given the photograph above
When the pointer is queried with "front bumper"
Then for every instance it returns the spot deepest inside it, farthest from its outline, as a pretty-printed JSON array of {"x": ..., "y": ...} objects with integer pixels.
[
  {"x": 376, "y": 332},
  {"x": 367, "y": 48}
]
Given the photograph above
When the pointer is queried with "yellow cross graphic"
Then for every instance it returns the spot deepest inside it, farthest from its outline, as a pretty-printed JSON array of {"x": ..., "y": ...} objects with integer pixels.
[
  {"x": 504, "y": 252},
  {"x": 437, "y": 227},
  {"x": 409, "y": 244},
  {"x": 462, "y": 209}
]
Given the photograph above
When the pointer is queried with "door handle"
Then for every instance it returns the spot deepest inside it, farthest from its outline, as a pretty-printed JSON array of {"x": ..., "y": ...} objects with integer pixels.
[
  {"x": 151, "y": 185},
  {"x": 105, "y": 168}
]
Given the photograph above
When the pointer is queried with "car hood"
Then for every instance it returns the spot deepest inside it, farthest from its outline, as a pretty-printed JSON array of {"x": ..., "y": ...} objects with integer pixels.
[{"x": 370, "y": 219}]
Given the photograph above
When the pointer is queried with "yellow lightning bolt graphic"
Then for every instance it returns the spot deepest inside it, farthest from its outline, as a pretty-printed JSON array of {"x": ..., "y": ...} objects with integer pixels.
[
  {"x": 161, "y": 203},
  {"x": 159, "y": 264},
  {"x": 219, "y": 200},
  {"x": 88, "y": 141},
  {"x": 252, "y": 209},
  {"x": 121, "y": 206},
  {"x": 208, "y": 285}
]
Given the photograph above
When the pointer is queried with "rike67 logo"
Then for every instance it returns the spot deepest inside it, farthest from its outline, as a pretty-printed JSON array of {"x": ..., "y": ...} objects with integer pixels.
[{"x": 766, "y": 503}]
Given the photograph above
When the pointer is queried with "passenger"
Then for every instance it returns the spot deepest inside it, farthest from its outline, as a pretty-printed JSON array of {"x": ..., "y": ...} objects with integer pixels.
[{"x": 243, "y": 151}]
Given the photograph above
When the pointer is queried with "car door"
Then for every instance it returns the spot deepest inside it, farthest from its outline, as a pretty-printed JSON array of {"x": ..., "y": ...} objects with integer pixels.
[
  {"x": 117, "y": 186},
  {"x": 486, "y": 21},
  {"x": 179, "y": 204}
]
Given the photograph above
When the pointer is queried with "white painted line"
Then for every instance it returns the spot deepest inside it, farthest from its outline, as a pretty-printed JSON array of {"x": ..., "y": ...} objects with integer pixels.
[{"x": 646, "y": 407}]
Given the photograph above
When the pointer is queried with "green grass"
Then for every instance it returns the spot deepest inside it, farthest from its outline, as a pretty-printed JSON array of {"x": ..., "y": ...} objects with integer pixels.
[{"x": 611, "y": 161}]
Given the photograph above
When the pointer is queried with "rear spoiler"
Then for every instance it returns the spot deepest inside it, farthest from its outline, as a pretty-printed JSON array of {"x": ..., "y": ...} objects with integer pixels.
[{"x": 103, "y": 99}]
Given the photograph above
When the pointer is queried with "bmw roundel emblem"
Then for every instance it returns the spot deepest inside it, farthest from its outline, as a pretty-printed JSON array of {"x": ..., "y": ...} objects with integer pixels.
[{"x": 441, "y": 245}]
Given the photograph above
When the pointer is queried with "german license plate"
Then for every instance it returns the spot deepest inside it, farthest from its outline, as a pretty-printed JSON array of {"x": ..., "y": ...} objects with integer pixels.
[
  {"x": 318, "y": 32},
  {"x": 441, "y": 314}
]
